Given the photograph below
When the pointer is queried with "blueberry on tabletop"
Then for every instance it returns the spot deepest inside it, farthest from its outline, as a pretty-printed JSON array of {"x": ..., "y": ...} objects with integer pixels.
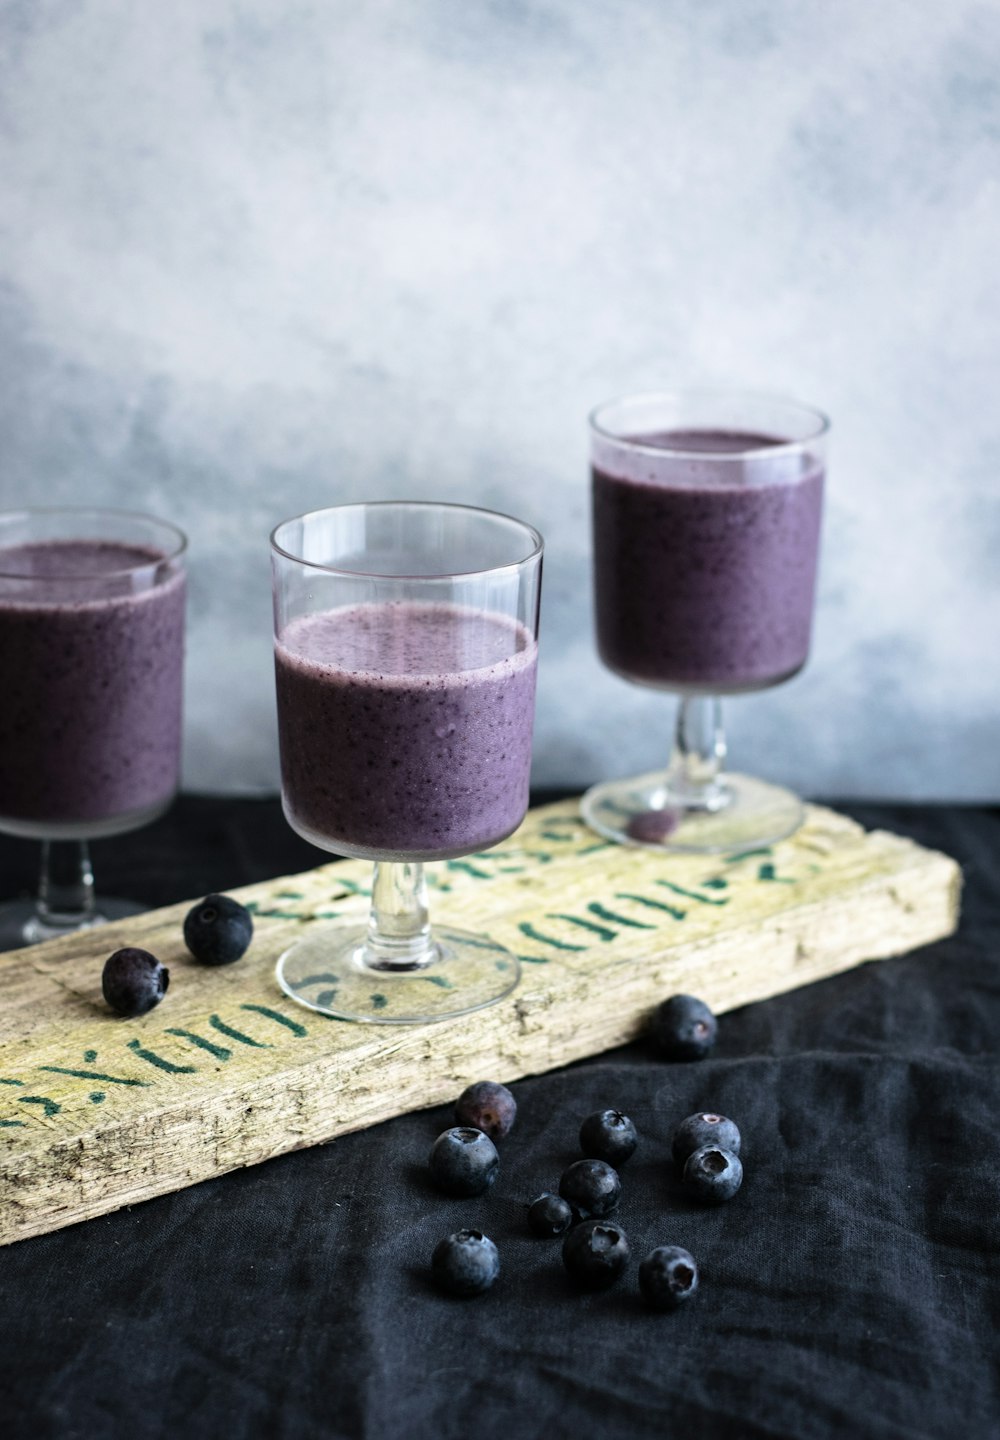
[
  {"x": 592, "y": 1187},
  {"x": 134, "y": 981},
  {"x": 704, "y": 1129},
  {"x": 464, "y": 1161},
  {"x": 218, "y": 930},
  {"x": 595, "y": 1254},
  {"x": 549, "y": 1215},
  {"x": 683, "y": 1028},
  {"x": 667, "y": 1277},
  {"x": 608, "y": 1135},
  {"x": 466, "y": 1263},
  {"x": 487, "y": 1106},
  {"x": 712, "y": 1174}
]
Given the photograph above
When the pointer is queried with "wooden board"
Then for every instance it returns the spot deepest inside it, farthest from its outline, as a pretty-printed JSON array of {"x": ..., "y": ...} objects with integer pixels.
[{"x": 98, "y": 1112}]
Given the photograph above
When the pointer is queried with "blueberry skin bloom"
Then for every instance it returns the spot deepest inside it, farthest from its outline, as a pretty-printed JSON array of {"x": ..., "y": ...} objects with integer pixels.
[
  {"x": 549, "y": 1216},
  {"x": 466, "y": 1263},
  {"x": 595, "y": 1254},
  {"x": 608, "y": 1135},
  {"x": 218, "y": 930},
  {"x": 133, "y": 981},
  {"x": 487, "y": 1106},
  {"x": 667, "y": 1277},
  {"x": 712, "y": 1174},
  {"x": 683, "y": 1028},
  {"x": 592, "y": 1187},
  {"x": 704, "y": 1129},
  {"x": 464, "y": 1161}
]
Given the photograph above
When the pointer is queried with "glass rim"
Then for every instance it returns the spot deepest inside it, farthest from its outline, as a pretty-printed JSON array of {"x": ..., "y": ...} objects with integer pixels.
[
  {"x": 27, "y": 512},
  {"x": 706, "y": 392},
  {"x": 535, "y": 536}
]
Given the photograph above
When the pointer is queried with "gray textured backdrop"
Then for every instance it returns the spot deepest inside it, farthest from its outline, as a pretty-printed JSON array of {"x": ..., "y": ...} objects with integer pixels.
[{"x": 260, "y": 257}]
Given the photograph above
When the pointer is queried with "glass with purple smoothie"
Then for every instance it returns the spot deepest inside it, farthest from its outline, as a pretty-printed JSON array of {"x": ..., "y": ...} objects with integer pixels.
[
  {"x": 405, "y": 659},
  {"x": 91, "y": 662},
  {"x": 706, "y": 523}
]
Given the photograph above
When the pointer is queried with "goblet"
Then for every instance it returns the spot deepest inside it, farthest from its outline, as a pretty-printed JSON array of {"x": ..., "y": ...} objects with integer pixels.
[
  {"x": 405, "y": 659},
  {"x": 91, "y": 661},
  {"x": 706, "y": 522}
]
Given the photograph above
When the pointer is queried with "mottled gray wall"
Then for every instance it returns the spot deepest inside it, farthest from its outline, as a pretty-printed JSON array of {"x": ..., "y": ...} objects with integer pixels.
[{"x": 259, "y": 257}]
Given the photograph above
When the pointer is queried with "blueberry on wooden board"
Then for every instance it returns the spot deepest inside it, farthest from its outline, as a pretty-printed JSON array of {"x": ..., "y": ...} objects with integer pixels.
[
  {"x": 133, "y": 981},
  {"x": 218, "y": 930}
]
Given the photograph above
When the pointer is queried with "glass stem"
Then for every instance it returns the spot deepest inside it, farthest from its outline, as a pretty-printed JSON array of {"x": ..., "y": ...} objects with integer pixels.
[
  {"x": 694, "y": 779},
  {"x": 66, "y": 886},
  {"x": 399, "y": 930}
]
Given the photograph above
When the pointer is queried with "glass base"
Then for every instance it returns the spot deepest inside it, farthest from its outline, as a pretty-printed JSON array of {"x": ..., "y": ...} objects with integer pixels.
[
  {"x": 21, "y": 924},
  {"x": 55, "y": 830},
  {"x": 326, "y": 971},
  {"x": 742, "y": 814}
]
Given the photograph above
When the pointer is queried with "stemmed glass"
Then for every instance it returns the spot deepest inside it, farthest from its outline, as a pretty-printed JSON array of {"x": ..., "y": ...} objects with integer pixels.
[
  {"x": 91, "y": 662},
  {"x": 706, "y": 522},
  {"x": 405, "y": 659}
]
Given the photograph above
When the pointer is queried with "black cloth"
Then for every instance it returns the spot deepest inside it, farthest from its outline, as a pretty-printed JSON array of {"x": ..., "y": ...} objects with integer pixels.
[{"x": 849, "y": 1290}]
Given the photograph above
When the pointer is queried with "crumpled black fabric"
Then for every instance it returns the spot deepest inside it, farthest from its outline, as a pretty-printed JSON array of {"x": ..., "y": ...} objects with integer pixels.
[{"x": 851, "y": 1289}]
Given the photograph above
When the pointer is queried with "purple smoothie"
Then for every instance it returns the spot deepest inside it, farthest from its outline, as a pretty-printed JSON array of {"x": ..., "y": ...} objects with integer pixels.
[
  {"x": 91, "y": 653},
  {"x": 405, "y": 728},
  {"x": 705, "y": 564}
]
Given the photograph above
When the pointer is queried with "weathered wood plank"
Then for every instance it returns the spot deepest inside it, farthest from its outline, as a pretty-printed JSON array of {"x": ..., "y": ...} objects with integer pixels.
[{"x": 98, "y": 1112}]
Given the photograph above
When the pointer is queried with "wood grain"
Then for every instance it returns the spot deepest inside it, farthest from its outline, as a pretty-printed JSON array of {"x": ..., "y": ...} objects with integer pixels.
[{"x": 98, "y": 1112}]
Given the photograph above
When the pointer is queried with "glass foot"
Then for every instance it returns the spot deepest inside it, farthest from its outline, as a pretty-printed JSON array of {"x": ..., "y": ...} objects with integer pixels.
[
  {"x": 326, "y": 971},
  {"x": 21, "y": 924},
  {"x": 745, "y": 814}
]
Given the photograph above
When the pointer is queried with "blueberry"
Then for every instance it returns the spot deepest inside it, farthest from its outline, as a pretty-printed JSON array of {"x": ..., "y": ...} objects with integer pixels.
[
  {"x": 595, "y": 1254},
  {"x": 667, "y": 1277},
  {"x": 683, "y": 1028},
  {"x": 591, "y": 1187},
  {"x": 651, "y": 827},
  {"x": 703, "y": 1129},
  {"x": 608, "y": 1135},
  {"x": 713, "y": 1174},
  {"x": 464, "y": 1161},
  {"x": 487, "y": 1106},
  {"x": 134, "y": 981},
  {"x": 466, "y": 1263},
  {"x": 549, "y": 1215},
  {"x": 218, "y": 930}
]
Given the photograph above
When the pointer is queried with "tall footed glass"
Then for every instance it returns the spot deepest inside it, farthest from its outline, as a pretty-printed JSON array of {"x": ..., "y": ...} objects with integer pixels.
[
  {"x": 405, "y": 659},
  {"x": 706, "y": 522},
  {"x": 91, "y": 669}
]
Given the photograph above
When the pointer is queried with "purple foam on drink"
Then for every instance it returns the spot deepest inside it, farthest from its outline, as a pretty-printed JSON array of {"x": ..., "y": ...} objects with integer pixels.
[
  {"x": 405, "y": 728},
  {"x": 705, "y": 547},
  {"x": 91, "y": 660}
]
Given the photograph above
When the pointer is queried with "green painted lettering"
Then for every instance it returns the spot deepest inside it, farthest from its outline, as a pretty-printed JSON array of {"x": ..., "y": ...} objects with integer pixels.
[
  {"x": 219, "y": 1051},
  {"x": 151, "y": 1058},
  {"x": 237, "y": 1035},
  {"x": 277, "y": 1016},
  {"x": 526, "y": 928}
]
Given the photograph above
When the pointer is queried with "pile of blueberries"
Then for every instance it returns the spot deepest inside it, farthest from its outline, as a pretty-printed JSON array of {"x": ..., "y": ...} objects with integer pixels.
[
  {"x": 464, "y": 1160},
  {"x": 217, "y": 931},
  {"x": 706, "y": 1150}
]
